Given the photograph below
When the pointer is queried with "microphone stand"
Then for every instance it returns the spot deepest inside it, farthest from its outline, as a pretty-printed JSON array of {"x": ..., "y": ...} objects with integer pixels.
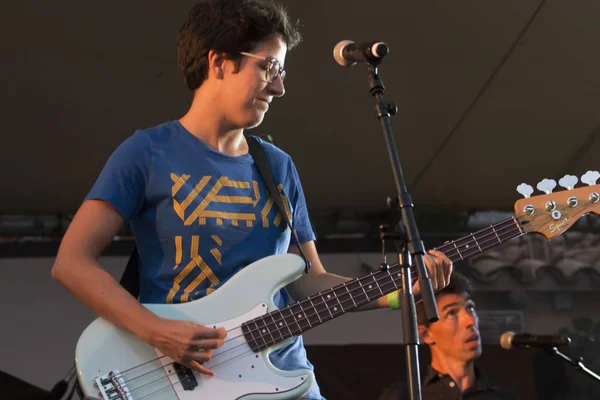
[
  {"x": 413, "y": 250},
  {"x": 577, "y": 363}
]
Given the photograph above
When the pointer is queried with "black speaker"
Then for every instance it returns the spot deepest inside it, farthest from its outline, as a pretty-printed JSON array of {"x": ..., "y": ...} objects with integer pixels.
[{"x": 14, "y": 388}]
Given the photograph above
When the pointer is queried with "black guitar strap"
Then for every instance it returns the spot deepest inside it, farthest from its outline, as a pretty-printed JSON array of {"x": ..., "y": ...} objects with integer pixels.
[
  {"x": 260, "y": 159},
  {"x": 130, "y": 279}
]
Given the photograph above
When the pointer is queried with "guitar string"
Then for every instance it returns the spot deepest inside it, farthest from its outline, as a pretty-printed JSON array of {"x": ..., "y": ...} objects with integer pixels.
[
  {"x": 480, "y": 241},
  {"x": 521, "y": 232},
  {"x": 482, "y": 244},
  {"x": 497, "y": 233},
  {"x": 367, "y": 279},
  {"x": 239, "y": 355},
  {"x": 279, "y": 320}
]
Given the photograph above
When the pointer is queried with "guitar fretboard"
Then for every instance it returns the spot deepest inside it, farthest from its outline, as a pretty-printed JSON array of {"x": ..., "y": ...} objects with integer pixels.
[{"x": 293, "y": 320}]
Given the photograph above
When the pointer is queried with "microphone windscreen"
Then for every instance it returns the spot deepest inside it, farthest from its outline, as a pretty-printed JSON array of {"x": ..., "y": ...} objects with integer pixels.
[
  {"x": 506, "y": 340},
  {"x": 338, "y": 51}
]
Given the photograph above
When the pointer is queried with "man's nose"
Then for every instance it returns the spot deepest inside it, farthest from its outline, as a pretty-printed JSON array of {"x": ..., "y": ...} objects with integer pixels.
[
  {"x": 469, "y": 319},
  {"x": 277, "y": 88}
]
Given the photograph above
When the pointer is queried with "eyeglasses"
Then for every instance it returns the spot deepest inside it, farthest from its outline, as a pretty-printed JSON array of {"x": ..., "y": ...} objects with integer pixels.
[{"x": 273, "y": 69}]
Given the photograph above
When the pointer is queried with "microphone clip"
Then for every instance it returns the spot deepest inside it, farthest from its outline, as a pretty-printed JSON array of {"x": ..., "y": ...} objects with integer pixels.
[{"x": 386, "y": 110}]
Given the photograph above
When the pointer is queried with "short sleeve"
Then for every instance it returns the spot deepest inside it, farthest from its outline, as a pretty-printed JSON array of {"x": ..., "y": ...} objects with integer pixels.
[
  {"x": 124, "y": 179},
  {"x": 300, "y": 217}
]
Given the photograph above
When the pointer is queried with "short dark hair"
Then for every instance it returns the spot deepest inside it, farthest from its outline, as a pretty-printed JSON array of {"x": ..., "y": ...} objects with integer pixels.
[
  {"x": 459, "y": 284},
  {"x": 230, "y": 27}
]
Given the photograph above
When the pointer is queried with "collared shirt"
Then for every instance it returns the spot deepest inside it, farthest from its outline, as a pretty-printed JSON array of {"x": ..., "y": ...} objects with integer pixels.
[{"x": 437, "y": 386}]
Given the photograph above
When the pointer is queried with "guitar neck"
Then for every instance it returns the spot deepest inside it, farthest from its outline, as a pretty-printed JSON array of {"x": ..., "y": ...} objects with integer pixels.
[{"x": 293, "y": 320}]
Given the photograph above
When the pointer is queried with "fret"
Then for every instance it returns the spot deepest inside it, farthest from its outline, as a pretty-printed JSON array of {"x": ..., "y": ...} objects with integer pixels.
[
  {"x": 335, "y": 308},
  {"x": 384, "y": 282},
  {"x": 470, "y": 251},
  {"x": 321, "y": 306},
  {"x": 377, "y": 284},
  {"x": 315, "y": 308},
  {"x": 254, "y": 330},
  {"x": 306, "y": 315},
  {"x": 392, "y": 279},
  {"x": 340, "y": 297},
  {"x": 264, "y": 329},
  {"x": 300, "y": 316},
  {"x": 367, "y": 298},
  {"x": 355, "y": 289},
  {"x": 477, "y": 243},
  {"x": 281, "y": 337},
  {"x": 517, "y": 224},
  {"x": 258, "y": 339},
  {"x": 283, "y": 323},
  {"x": 496, "y": 233},
  {"x": 326, "y": 301},
  {"x": 290, "y": 315},
  {"x": 371, "y": 288},
  {"x": 460, "y": 255},
  {"x": 247, "y": 332},
  {"x": 350, "y": 295},
  {"x": 464, "y": 243}
]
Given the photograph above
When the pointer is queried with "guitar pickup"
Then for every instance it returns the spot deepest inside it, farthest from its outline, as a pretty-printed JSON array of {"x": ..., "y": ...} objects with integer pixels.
[{"x": 186, "y": 376}]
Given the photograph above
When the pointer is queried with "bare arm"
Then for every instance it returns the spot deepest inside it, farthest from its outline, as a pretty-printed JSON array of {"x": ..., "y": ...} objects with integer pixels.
[
  {"x": 318, "y": 279},
  {"x": 77, "y": 268}
]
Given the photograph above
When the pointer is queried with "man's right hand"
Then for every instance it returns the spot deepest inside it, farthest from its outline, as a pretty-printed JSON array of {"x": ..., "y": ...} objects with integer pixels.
[{"x": 186, "y": 342}]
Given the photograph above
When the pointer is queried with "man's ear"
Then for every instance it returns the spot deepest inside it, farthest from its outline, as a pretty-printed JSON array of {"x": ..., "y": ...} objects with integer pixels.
[
  {"x": 216, "y": 61},
  {"x": 426, "y": 335}
]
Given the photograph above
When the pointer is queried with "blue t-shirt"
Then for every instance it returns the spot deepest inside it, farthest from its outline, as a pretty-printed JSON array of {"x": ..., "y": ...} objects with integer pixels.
[{"x": 199, "y": 216}]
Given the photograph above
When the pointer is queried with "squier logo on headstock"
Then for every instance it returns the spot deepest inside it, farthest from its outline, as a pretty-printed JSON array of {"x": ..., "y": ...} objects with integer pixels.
[{"x": 551, "y": 214}]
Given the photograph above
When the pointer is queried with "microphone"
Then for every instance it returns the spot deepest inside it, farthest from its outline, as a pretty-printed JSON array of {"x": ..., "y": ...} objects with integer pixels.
[
  {"x": 510, "y": 340},
  {"x": 347, "y": 53}
]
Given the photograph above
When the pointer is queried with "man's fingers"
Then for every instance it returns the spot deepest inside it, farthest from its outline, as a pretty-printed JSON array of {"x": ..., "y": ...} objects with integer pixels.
[
  {"x": 201, "y": 355},
  {"x": 448, "y": 273},
  {"x": 444, "y": 267},
  {"x": 208, "y": 344},
  {"x": 195, "y": 365},
  {"x": 440, "y": 255},
  {"x": 204, "y": 333},
  {"x": 431, "y": 267},
  {"x": 221, "y": 333},
  {"x": 440, "y": 271}
]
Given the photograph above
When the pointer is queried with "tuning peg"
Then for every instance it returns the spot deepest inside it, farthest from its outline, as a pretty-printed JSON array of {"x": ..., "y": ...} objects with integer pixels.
[
  {"x": 525, "y": 189},
  {"x": 568, "y": 181},
  {"x": 546, "y": 185},
  {"x": 590, "y": 177}
]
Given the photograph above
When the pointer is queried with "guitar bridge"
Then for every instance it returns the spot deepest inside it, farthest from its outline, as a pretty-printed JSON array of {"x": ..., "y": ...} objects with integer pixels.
[{"x": 112, "y": 386}]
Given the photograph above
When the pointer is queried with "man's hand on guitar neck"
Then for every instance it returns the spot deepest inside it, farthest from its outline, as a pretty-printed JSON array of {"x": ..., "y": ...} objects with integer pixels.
[
  {"x": 186, "y": 342},
  {"x": 439, "y": 267}
]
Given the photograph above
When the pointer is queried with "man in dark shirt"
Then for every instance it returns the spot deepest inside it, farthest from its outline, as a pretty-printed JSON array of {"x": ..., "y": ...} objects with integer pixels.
[{"x": 455, "y": 345}]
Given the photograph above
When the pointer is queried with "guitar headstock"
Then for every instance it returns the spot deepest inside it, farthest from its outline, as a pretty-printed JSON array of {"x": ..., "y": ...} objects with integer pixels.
[{"x": 551, "y": 214}]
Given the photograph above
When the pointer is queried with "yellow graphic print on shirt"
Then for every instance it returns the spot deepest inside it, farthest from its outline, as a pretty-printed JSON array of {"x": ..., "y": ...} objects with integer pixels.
[{"x": 249, "y": 196}]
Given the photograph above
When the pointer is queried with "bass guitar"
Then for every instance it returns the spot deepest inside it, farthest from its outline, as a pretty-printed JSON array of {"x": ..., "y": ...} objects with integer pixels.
[{"x": 114, "y": 364}]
